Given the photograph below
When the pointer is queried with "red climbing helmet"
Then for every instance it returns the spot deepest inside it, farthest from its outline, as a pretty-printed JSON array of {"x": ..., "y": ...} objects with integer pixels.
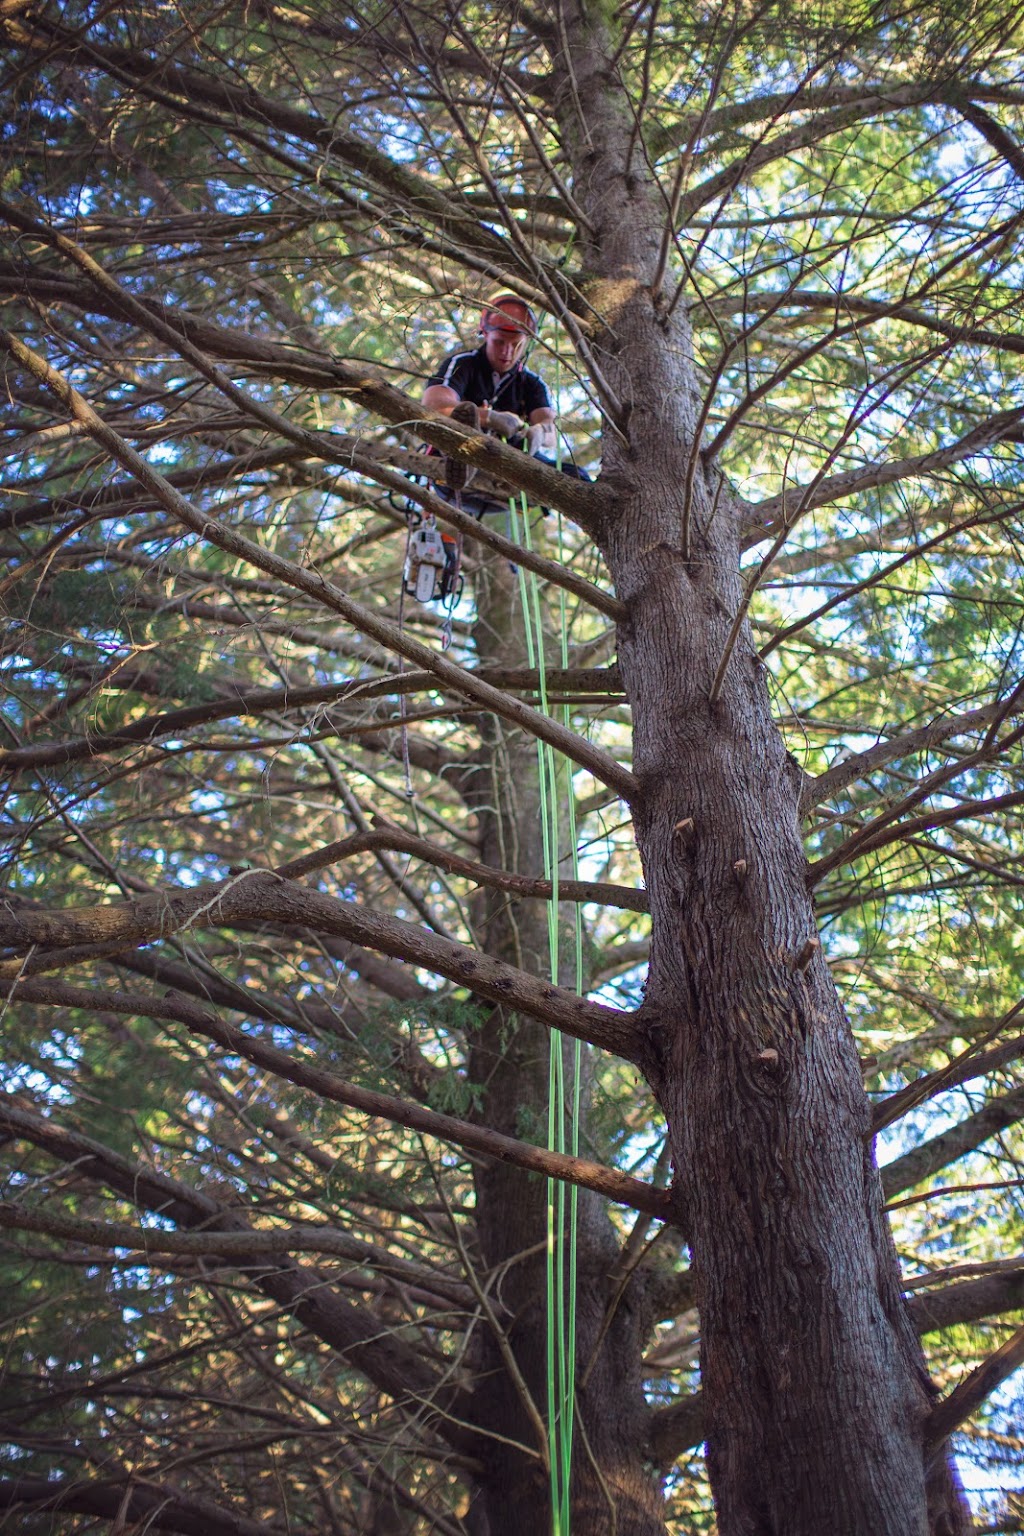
[{"x": 505, "y": 312}]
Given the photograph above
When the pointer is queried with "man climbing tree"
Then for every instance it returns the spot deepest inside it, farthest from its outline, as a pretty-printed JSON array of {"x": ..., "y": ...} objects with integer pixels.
[
  {"x": 511, "y": 401},
  {"x": 491, "y": 389},
  {"x": 284, "y": 1093}
]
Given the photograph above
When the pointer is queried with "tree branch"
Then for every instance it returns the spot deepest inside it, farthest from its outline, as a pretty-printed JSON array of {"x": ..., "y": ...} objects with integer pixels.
[
  {"x": 968, "y": 1397},
  {"x": 819, "y": 126},
  {"x": 609, "y": 1182},
  {"x": 354, "y": 1331},
  {"x": 914, "y": 1167},
  {"x": 188, "y": 334},
  {"x": 675, "y": 1429},
  {"x": 969, "y": 1301},
  {"x": 859, "y": 764},
  {"x": 152, "y": 1505},
  {"x": 870, "y": 839},
  {"x": 993, "y": 132},
  {"x": 596, "y": 761},
  {"x": 762, "y": 517},
  {"x": 257, "y": 702},
  {"x": 631, "y": 899},
  {"x": 239, "y": 1246},
  {"x": 261, "y": 896},
  {"x": 774, "y": 104},
  {"x": 908, "y": 314},
  {"x": 969, "y": 1064}
]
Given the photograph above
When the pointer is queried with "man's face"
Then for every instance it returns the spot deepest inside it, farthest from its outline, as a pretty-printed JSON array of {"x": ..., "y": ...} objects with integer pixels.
[{"x": 505, "y": 341}]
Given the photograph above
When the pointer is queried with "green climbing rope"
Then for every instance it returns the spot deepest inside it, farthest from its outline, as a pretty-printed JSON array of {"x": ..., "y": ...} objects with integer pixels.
[{"x": 563, "y": 1105}]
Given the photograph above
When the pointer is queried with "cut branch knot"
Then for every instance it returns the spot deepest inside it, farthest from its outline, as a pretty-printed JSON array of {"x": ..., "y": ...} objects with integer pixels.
[{"x": 807, "y": 953}]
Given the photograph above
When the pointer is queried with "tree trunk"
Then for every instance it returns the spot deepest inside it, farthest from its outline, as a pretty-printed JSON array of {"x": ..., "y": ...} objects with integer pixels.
[
  {"x": 809, "y": 1364},
  {"x": 509, "y": 1064},
  {"x": 816, "y": 1393}
]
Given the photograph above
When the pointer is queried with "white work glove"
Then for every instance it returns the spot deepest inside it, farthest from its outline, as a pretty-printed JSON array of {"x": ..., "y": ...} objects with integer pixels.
[
  {"x": 504, "y": 423},
  {"x": 538, "y": 438}
]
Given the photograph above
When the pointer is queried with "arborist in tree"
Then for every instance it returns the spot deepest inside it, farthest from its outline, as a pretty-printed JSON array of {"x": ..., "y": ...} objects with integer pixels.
[{"x": 491, "y": 388}]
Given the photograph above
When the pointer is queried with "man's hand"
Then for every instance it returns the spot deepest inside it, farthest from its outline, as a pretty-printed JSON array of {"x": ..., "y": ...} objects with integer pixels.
[
  {"x": 539, "y": 438},
  {"x": 504, "y": 423}
]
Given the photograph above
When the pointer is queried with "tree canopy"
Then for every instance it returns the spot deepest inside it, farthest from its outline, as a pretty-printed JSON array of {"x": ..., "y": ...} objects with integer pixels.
[{"x": 306, "y": 907}]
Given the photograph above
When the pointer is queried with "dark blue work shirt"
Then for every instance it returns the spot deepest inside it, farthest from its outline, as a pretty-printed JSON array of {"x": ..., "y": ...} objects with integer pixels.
[{"x": 471, "y": 377}]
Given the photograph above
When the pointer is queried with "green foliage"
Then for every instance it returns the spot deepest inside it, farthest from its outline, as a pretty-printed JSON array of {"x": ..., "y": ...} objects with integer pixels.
[{"x": 82, "y": 599}]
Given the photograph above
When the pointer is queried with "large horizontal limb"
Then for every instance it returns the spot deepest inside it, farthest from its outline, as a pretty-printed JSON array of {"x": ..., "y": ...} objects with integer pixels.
[
  {"x": 860, "y": 764},
  {"x": 175, "y": 722},
  {"x": 872, "y": 838},
  {"x": 628, "y": 898},
  {"x": 385, "y": 976},
  {"x": 677, "y": 1428},
  {"x": 385, "y": 464},
  {"x": 377, "y": 627},
  {"x": 122, "y": 498},
  {"x": 477, "y": 528},
  {"x": 889, "y": 825},
  {"x": 168, "y": 81},
  {"x": 236, "y": 1246},
  {"x": 260, "y": 896},
  {"x": 609, "y": 1182},
  {"x": 198, "y": 341},
  {"x": 970, "y": 1301},
  {"x": 149, "y": 1505},
  {"x": 191, "y": 978},
  {"x": 812, "y": 301},
  {"x": 883, "y": 96},
  {"x": 837, "y": 116},
  {"x": 258, "y": 701}
]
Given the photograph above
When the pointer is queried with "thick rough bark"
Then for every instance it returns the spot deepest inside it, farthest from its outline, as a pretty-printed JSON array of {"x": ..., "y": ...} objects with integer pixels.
[
  {"x": 815, "y": 1396},
  {"x": 509, "y": 1061},
  {"x": 815, "y": 1391}
]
